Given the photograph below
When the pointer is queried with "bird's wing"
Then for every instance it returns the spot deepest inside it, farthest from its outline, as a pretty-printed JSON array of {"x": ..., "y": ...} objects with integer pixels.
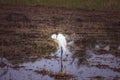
[{"x": 62, "y": 41}]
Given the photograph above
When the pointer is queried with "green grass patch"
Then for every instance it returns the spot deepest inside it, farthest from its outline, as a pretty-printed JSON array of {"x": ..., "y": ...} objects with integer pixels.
[{"x": 82, "y": 4}]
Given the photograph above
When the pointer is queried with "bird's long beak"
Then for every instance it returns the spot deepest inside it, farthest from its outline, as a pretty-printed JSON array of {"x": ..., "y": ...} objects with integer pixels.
[{"x": 50, "y": 38}]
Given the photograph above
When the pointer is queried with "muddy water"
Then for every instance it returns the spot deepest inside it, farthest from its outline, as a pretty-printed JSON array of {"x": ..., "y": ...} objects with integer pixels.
[
  {"x": 23, "y": 27},
  {"x": 103, "y": 66}
]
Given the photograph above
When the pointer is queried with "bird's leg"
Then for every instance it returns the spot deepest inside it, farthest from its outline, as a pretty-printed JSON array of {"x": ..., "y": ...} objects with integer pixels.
[
  {"x": 61, "y": 59},
  {"x": 61, "y": 52}
]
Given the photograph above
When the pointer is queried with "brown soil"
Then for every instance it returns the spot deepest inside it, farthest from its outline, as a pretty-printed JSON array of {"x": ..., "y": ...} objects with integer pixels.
[{"x": 25, "y": 30}]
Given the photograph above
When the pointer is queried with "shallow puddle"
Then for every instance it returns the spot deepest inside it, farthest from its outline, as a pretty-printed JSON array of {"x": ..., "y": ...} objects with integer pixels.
[{"x": 105, "y": 66}]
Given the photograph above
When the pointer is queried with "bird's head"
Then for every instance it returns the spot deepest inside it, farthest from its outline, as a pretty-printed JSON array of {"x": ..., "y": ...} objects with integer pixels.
[{"x": 54, "y": 37}]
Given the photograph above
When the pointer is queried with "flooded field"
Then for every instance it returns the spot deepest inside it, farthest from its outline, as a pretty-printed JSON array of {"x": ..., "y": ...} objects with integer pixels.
[
  {"x": 96, "y": 66},
  {"x": 27, "y": 51}
]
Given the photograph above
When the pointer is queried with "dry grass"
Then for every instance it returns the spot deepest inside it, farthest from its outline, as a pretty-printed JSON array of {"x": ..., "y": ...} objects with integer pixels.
[
  {"x": 56, "y": 75},
  {"x": 86, "y": 4}
]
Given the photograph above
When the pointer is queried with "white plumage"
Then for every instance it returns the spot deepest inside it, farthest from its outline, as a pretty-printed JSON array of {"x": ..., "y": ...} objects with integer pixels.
[{"x": 61, "y": 40}]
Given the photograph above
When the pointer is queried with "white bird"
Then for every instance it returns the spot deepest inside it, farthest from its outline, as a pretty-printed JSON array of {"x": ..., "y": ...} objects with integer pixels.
[
  {"x": 62, "y": 45},
  {"x": 61, "y": 40}
]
